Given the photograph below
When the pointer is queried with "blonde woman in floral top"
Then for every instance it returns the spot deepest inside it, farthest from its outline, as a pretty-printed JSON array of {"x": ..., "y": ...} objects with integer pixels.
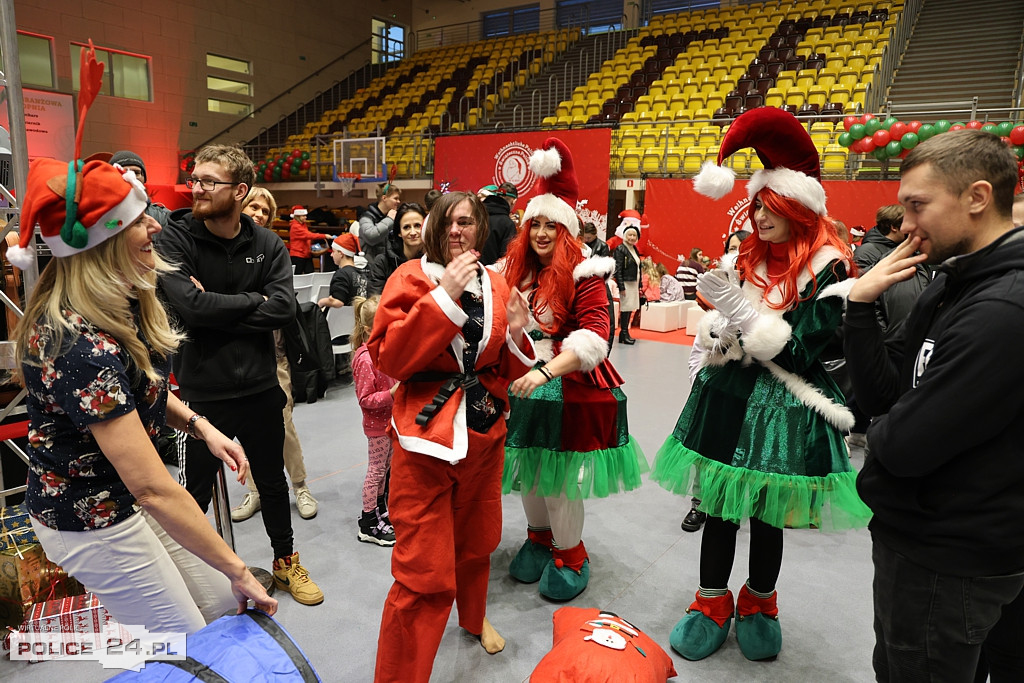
[{"x": 94, "y": 351}]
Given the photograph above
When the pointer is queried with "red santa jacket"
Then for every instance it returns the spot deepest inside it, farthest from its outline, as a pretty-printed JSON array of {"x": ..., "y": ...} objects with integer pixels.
[
  {"x": 417, "y": 329},
  {"x": 299, "y": 237}
]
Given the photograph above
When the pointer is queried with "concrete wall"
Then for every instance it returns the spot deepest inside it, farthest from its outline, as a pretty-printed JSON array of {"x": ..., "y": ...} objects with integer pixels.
[{"x": 285, "y": 42}]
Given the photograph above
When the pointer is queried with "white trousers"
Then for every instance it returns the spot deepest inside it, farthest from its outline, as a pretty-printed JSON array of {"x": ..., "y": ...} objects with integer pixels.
[{"x": 141, "y": 574}]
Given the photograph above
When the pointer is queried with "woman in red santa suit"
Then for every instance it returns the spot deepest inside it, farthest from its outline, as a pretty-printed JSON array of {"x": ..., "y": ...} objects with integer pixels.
[
  {"x": 452, "y": 334},
  {"x": 568, "y": 435}
]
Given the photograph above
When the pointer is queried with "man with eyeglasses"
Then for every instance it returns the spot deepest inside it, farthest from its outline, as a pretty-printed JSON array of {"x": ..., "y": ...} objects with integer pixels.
[{"x": 232, "y": 288}]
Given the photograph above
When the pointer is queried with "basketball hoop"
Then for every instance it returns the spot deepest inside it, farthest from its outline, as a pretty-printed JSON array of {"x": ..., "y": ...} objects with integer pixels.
[{"x": 348, "y": 181}]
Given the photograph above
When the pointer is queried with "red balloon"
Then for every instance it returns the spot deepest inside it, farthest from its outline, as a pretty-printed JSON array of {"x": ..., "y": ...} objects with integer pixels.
[
  {"x": 975, "y": 125},
  {"x": 305, "y": 165},
  {"x": 904, "y": 153},
  {"x": 296, "y": 152},
  {"x": 881, "y": 138},
  {"x": 867, "y": 144},
  {"x": 957, "y": 127},
  {"x": 1017, "y": 135},
  {"x": 867, "y": 117},
  {"x": 897, "y": 130},
  {"x": 268, "y": 175},
  {"x": 914, "y": 126},
  {"x": 849, "y": 121}
]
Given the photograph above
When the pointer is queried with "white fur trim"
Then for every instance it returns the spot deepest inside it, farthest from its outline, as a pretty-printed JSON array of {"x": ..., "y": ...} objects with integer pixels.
[
  {"x": 300, "y": 212},
  {"x": 435, "y": 271},
  {"x": 840, "y": 289},
  {"x": 714, "y": 181},
  {"x": 717, "y": 340},
  {"x": 600, "y": 266},
  {"x": 792, "y": 184},
  {"x": 460, "y": 439},
  {"x": 588, "y": 346},
  {"x": 21, "y": 258},
  {"x": 544, "y": 349},
  {"x": 554, "y": 208},
  {"x": 546, "y": 162},
  {"x": 528, "y": 361},
  {"x": 819, "y": 260},
  {"x": 449, "y": 307},
  {"x": 838, "y": 416},
  {"x": 768, "y": 335},
  {"x": 123, "y": 214}
]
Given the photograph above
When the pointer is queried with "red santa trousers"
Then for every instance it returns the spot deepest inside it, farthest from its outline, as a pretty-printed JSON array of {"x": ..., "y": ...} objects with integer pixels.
[{"x": 447, "y": 521}]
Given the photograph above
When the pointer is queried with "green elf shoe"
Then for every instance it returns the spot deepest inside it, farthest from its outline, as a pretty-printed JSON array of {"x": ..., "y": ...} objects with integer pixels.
[
  {"x": 566, "y": 574},
  {"x": 704, "y": 628},
  {"x": 757, "y": 626},
  {"x": 528, "y": 564}
]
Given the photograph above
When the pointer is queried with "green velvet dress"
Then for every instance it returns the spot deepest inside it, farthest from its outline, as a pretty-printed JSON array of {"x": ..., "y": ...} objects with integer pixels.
[{"x": 748, "y": 446}]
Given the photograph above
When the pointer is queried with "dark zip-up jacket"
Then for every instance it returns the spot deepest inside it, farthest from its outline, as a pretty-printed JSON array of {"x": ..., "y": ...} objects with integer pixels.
[
  {"x": 945, "y": 471},
  {"x": 229, "y": 351}
]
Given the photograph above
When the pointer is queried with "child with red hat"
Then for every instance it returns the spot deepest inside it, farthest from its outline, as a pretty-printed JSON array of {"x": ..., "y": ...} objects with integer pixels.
[{"x": 299, "y": 239}]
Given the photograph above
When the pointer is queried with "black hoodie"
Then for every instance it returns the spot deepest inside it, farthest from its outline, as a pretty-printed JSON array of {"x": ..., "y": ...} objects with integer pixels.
[
  {"x": 248, "y": 294},
  {"x": 945, "y": 471}
]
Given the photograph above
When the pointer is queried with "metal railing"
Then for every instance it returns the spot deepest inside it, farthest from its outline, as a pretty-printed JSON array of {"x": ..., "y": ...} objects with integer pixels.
[{"x": 893, "y": 55}]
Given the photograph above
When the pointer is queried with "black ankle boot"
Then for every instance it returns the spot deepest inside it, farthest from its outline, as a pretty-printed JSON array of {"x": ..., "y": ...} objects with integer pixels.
[{"x": 624, "y": 337}]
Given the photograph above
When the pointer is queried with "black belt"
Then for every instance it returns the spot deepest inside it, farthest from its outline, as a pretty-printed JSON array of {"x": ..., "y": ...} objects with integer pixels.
[{"x": 452, "y": 381}]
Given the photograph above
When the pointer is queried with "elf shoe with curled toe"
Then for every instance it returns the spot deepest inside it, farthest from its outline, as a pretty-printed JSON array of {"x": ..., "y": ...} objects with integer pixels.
[
  {"x": 757, "y": 626},
  {"x": 704, "y": 628},
  {"x": 528, "y": 564},
  {"x": 566, "y": 574}
]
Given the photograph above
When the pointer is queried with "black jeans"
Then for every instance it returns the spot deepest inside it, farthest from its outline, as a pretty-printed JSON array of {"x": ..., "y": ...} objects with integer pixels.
[
  {"x": 257, "y": 422},
  {"x": 936, "y": 627},
  {"x": 302, "y": 265}
]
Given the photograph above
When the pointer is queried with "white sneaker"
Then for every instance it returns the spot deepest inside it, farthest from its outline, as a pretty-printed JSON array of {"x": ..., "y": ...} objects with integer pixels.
[
  {"x": 249, "y": 506},
  {"x": 306, "y": 503}
]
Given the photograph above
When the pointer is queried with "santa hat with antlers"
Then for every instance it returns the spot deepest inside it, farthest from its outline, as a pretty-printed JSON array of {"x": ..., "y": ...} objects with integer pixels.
[
  {"x": 77, "y": 204},
  {"x": 791, "y": 165}
]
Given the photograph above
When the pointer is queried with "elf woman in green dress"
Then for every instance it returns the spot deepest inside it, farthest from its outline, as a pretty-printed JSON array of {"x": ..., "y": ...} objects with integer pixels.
[{"x": 761, "y": 435}]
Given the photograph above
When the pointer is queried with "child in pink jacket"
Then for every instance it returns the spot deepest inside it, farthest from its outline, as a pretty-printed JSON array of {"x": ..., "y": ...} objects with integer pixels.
[{"x": 375, "y": 392}]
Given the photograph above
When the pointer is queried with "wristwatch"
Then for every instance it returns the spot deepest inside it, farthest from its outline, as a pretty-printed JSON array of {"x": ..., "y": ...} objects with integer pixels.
[{"x": 190, "y": 426}]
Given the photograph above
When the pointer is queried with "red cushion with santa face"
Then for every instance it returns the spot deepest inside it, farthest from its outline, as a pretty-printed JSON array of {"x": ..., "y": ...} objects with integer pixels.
[{"x": 593, "y": 646}]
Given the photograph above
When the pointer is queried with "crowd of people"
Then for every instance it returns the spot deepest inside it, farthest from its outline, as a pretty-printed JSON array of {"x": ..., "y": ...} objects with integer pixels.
[{"x": 481, "y": 367}]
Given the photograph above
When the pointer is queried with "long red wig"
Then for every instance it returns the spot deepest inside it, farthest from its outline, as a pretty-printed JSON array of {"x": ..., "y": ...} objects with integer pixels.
[
  {"x": 808, "y": 232},
  {"x": 554, "y": 283}
]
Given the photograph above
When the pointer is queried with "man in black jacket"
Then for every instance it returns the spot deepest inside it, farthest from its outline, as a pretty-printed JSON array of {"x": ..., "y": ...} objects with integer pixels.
[
  {"x": 945, "y": 473},
  {"x": 232, "y": 288}
]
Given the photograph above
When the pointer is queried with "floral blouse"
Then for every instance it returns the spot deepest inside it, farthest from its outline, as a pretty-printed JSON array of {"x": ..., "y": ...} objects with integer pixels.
[{"x": 71, "y": 484}]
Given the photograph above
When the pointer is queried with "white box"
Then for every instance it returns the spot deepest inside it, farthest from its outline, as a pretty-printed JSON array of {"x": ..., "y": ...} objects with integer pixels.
[{"x": 693, "y": 318}]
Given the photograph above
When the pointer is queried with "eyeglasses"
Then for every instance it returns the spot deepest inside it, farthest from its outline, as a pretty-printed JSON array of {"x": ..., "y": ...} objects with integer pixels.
[{"x": 206, "y": 185}]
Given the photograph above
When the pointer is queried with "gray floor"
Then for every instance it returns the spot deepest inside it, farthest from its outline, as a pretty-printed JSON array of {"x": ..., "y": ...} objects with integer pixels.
[{"x": 643, "y": 566}]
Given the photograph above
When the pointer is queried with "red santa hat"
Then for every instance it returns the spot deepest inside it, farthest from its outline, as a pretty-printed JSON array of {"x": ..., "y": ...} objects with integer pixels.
[
  {"x": 77, "y": 204},
  {"x": 346, "y": 243},
  {"x": 791, "y": 165},
  {"x": 630, "y": 219},
  {"x": 299, "y": 210},
  {"x": 557, "y": 187}
]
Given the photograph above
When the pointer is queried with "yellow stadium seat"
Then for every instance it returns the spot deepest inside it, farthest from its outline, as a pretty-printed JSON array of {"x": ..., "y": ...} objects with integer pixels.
[
  {"x": 651, "y": 161},
  {"x": 693, "y": 157},
  {"x": 631, "y": 161}
]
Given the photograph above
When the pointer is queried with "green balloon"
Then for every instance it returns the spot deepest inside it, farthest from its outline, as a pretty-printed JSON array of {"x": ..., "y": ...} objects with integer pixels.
[
  {"x": 857, "y": 131},
  {"x": 1004, "y": 128},
  {"x": 880, "y": 153},
  {"x": 942, "y": 125},
  {"x": 909, "y": 141},
  {"x": 926, "y": 131},
  {"x": 959, "y": 123},
  {"x": 845, "y": 139},
  {"x": 305, "y": 156},
  {"x": 872, "y": 126},
  {"x": 1019, "y": 150},
  {"x": 887, "y": 124},
  {"x": 894, "y": 148},
  {"x": 990, "y": 128}
]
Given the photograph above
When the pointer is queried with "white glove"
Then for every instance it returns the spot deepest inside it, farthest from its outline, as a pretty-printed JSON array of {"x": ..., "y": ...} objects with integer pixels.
[{"x": 727, "y": 298}]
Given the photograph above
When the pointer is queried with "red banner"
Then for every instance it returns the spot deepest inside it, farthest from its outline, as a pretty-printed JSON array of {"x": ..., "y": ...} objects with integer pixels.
[
  {"x": 681, "y": 219},
  {"x": 469, "y": 162}
]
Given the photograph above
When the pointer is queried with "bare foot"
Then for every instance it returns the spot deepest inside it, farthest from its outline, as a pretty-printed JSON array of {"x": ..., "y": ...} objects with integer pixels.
[{"x": 491, "y": 639}]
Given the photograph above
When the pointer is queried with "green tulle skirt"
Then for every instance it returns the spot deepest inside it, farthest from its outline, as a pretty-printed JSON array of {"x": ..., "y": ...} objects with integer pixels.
[
  {"x": 571, "y": 437},
  {"x": 735, "y": 494}
]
